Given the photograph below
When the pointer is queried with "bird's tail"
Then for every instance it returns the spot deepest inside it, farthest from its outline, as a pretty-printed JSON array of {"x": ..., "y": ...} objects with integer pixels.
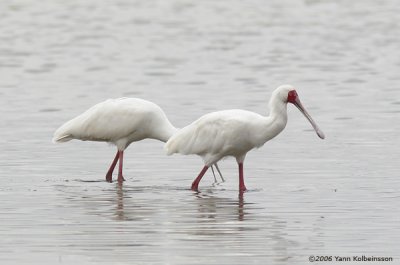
[
  {"x": 62, "y": 134},
  {"x": 61, "y": 139}
]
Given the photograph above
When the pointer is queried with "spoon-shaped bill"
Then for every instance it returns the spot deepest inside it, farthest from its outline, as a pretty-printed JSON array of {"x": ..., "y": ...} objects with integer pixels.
[{"x": 300, "y": 106}]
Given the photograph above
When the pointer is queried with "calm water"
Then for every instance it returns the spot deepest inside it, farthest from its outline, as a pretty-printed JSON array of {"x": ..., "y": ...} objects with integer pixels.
[{"x": 340, "y": 196}]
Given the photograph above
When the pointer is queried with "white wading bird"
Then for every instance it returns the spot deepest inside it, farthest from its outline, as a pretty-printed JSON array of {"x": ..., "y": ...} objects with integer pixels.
[
  {"x": 235, "y": 132},
  {"x": 120, "y": 122}
]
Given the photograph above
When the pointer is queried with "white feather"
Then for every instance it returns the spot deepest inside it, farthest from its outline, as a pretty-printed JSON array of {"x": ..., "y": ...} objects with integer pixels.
[
  {"x": 118, "y": 121},
  {"x": 232, "y": 132}
]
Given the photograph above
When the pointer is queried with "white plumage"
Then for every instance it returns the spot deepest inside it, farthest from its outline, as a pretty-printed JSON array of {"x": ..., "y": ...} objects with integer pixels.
[
  {"x": 235, "y": 132},
  {"x": 217, "y": 134},
  {"x": 118, "y": 121}
]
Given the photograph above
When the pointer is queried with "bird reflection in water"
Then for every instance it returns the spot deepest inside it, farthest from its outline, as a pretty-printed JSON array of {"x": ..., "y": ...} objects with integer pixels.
[
  {"x": 119, "y": 213},
  {"x": 212, "y": 208}
]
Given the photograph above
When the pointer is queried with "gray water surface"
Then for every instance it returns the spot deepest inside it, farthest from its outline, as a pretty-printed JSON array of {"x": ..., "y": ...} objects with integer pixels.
[{"x": 334, "y": 197}]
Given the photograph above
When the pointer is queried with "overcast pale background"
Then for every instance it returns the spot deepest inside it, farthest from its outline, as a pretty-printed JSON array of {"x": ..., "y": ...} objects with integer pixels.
[{"x": 339, "y": 196}]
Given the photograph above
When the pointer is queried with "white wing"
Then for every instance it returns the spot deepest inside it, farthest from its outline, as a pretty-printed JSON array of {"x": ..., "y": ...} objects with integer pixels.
[
  {"x": 223, "y": 132},
  {"x": 109, "y": 121}
]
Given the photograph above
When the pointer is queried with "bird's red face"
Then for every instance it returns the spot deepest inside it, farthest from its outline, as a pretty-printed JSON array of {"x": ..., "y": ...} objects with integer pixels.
[
  {"x": 292, "y": 96},
  {"x": 294, "y": 99}
]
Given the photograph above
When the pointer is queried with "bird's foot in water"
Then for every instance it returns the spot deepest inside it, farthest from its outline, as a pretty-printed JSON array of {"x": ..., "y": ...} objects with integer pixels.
[
  {"x": 109, "y": 178},
  {"x": 195, "y": 187},
  {"x": 120, "y": 179},
  {"x": 242, "y": 188}
]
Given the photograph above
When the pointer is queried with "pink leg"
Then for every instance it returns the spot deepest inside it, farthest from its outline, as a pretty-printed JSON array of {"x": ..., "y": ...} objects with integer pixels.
[
  {"x": 111, "y": 169},
  {"x": 121, "y": 161},
  {"x": 242, "y": 187},
  {"x": 195, "y": 184}
]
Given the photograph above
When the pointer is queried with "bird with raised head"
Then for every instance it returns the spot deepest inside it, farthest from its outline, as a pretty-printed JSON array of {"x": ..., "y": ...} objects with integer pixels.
[{"x": 235, "y": 132}]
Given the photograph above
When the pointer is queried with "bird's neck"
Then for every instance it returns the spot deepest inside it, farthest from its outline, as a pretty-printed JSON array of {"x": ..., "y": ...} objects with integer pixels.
[
  {"x": 275, "y": 122},
  {"x": 166, "y": 133},
  {"x": 278, "y": 110}
]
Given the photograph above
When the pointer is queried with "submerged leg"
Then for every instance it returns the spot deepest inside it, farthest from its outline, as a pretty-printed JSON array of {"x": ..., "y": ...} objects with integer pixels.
[
  {"x": 195, "y": 184},
  {"x": 219, "y": 172},
  {"x": 111, "y": 169},
  {"x": 242, "y": 187},
  {"x": 121, "y": 162},
  {"x": 215, "y": 178}
]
